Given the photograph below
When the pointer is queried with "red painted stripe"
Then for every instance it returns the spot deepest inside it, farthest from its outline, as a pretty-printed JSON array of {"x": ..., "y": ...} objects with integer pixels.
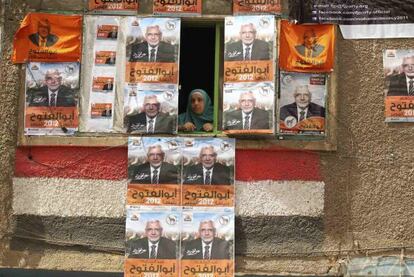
[{"x": 111, "y": 163}]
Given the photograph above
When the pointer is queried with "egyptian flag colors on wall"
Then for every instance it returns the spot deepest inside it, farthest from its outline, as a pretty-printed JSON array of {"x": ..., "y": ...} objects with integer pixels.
[
  {"x": 48, "y": 38},
  {"x": 306, "y": 48}
]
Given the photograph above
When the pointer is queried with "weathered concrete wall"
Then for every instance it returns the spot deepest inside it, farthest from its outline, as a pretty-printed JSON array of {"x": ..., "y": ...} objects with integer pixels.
[{"x": 297, "y": 212}]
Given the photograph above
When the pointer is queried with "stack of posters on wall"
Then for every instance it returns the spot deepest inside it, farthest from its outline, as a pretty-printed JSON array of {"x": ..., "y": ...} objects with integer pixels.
[
  {"x": 308, "y": 49},
  {"x": 241, "y": 7},
  {"x": 399, "y": 84},
  {"x": 115, "y": 7},
  {"x": 180, "y": 207},
  {"x": 249, "y": 75},
  {"x": 177, "y": 8},
  {"x": 151, "y": 77},
  {"x": 100, "y": 68},
  {"x": 50, "y": 45}
]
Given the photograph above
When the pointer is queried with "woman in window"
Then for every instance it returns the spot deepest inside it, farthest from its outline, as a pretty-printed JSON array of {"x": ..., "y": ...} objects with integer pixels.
[{"x": 199, "y": 113}]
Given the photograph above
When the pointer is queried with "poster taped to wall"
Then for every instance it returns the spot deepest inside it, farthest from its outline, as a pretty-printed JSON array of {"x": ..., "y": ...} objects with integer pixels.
[
  {"x": 256, "y": 7},
  {"x": 152, "y": 50},
  {"x": 306, "y": 48},
  {"x": 48, "y": 38},
  {"x": 208, "y": 172},
  {"x": 399, "y": 85},
  {"x": 248, "y": 108},
  {"x": 152, "y": 241},
  {"x": 150, "y": 111},
  {"x": 119, "y": 7},
  {"x": 177, "y": 8},
  {"x": 52, "y": 91},
  {"x": 154, "y": 170},
  {"x": 249, "y": 48},
  {"x": 207, "y": 242},
  {"x": 302, "y": 105}
]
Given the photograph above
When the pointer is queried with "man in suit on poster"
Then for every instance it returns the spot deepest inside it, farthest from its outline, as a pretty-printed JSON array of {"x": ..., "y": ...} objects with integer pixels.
[
  {"x": 151, "y": 120},
  {"x": 207, "y": 171},
  {"x": 155, "y": 170},
  {"x": 153, "y": 49},
  {"x": 248, "y": 47},
  {"x": 310, "y": 48},
  {"x": 113, "y": 34},
  {"x": 111, "y": 59},
  {"x": 207, "y": 246},
  {"x": 43, "y": 37},
  {"x": 52, "y": 94},
  {"x": 153, "y": 245},
  {"x": 403, "y": 83},
  {"x": 247, "y": 117},
  {"x": 108, "y": 86},
  {"x": 302, "y": 108}
]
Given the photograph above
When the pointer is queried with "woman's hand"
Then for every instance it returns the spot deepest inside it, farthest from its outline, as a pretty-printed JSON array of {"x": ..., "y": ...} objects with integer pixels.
[
  {"x": 189, "y": 127},
  {"x": 208, "y": 127}
]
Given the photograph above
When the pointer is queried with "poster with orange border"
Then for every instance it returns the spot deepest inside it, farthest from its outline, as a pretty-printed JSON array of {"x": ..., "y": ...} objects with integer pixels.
[
  {"x": 302, "y": 104},
  {"x": 44, "y": 37},
  {"x": 111, "y": 6},
  {"x": 256, "y": 7},
  {"x": 177, "y": 7},
  {"x": 306, "y": 48},
  {"x": 51, "y": 106},
  {"x": 399, "y": 85},
  {"x": 152, "y": 240}
]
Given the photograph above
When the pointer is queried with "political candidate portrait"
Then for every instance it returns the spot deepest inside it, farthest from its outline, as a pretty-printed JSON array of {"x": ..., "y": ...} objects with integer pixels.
[
  {"x": 207, "y": 246},
  {"x": 43, "y": 37},
  {"x": 108, "y": 86},
  {"x": 151, "y": 119},
  {"x": 247, "y": 47},
  {"x": 153, "y": 49},
  {"x": 153, "y": 245},
  {"x": 113, "y": 34},
  {"x": 310, "y": 48},
  {"x": 302, "y": 108},
  {"x": 52, "y": 93},
  {"x": 155, "y": 170},
  {"x": 111, "y": 59},
  {"x": 403, "y": 84},
  {"x": 248, "y": 116},
  {"x": 107, "y": 112},
  {"x": 207, "y": 171}
]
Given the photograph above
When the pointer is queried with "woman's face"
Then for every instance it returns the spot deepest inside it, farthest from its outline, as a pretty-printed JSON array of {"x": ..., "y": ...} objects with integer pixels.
[{"x": 197, "y": 103}]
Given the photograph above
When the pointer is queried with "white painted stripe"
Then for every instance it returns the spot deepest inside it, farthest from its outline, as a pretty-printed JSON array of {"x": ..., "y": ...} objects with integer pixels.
[
  {"x": 280, "y": 198},
  {"x": 106, "y": 198}
]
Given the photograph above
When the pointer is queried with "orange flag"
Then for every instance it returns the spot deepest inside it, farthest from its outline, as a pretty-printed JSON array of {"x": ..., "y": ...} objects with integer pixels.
[
  {"x": 306, "y": 48},
  {"x": 46, "y": 37}
]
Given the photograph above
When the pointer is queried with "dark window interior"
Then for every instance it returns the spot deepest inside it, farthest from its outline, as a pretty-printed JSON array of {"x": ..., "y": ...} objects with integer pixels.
[{"x": 196, "y": 61}]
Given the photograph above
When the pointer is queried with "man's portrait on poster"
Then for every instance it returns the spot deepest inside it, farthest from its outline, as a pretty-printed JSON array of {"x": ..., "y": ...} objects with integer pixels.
[
  {"x": 43, "y": 37},
  {"x": 402, "y": 84}
]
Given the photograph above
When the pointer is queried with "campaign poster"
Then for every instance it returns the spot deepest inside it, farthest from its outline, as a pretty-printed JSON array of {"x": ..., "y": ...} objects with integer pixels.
[
  {"x": 103, "y": 84},
  {"x": 399, "y": 85},
  {"x": 302, "y": 105},
  {"x": 154, "y": 170},
  {"x": 306, "y": 48},
  {"x": 150, "y": 111},
  {"x": 105, "y": 57},
  {"x": 113, "y": 6},
  {"x": 152, "y": 241},
  {"x": 249, "y": 48},
  {"x": 152, "y": 50},
  {"x": 248, "y": 108},
  {"x": 207, "y": 242},
  {"x": 208, "y": 172},
  {"x": 241, "y": 7},
  {"x": 107, "y": 31},
  {"x": 45, "y": 37},
  {"x": 52, "y": 91},
  {"x": 177, "y": 7}
]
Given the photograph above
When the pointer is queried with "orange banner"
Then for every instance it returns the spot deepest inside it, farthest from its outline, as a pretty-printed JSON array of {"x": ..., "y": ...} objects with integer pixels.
[
  {"x": 399, "y": 106},
  {"x": 101, "y": 110},
  {"x": 151, "y": 268},
  {"x": 153, "y": 194},
  {"x": 207, "y": 268},
  {"x": 256, "y": 6},
  {"x": 309, "y": 125},
  {"x": 144, "y": 72},
  {"x": 211, "y": 195},
  {"x": 48, "y": 38},
  {"x": 103, "y": 84},
  {"x": 105, "y": 58},
  {"x": 307, "y": 48},
  {"x": 248, "y": 71},
  {"x": 177, "y": 7},
  {"x": 111, "y": 5},
  {"x": 51, "y": 117}
]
